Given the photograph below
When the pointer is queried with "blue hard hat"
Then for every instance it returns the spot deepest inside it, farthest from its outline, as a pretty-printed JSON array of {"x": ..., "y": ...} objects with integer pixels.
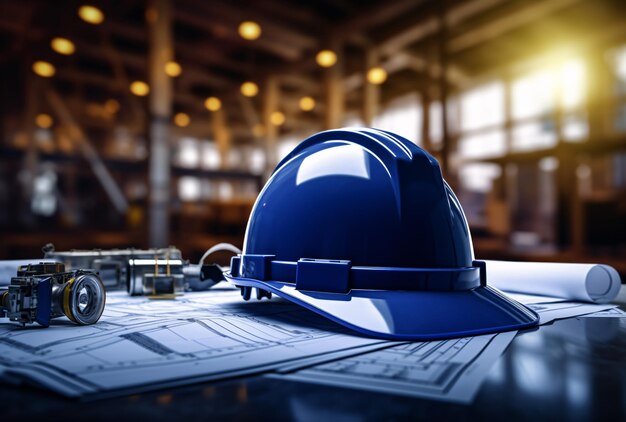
[{"x": 359, "y": 226}]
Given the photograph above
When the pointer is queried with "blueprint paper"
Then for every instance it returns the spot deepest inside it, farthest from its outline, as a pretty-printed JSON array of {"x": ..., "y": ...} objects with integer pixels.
[
  {"x": 526, "y": 299},
  {"x": 609, "y": 313},
  {"x": 449, "y": 370},
  {"x": 549, "y": 311},
  {"x": 329, "y": 357},
  {"x": 578, "y": 282},
  {"x": 142, "y": 344}
]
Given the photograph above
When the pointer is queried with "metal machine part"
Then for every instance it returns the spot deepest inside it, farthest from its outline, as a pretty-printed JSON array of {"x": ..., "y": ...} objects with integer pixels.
[
  {"x": 163, "y": 285},
  {"x": 144, "y": 277},
  {"x": 125, "y": 269},
  {"x": 44, "y": 291},
  {"x": 112, "y": 265}
]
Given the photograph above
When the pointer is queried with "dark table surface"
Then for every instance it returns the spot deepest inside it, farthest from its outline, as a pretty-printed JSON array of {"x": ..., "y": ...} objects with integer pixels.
[{"x": 573, "y": 369}]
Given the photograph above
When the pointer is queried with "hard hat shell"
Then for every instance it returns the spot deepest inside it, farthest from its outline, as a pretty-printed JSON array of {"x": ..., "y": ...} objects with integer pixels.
[{"x": 359, "y": 226}]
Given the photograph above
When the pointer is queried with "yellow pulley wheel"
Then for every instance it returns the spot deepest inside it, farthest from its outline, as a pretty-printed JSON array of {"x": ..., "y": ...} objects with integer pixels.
[
  {"x": 84, "y": 298},
  {"x": 66, "y": 299}
]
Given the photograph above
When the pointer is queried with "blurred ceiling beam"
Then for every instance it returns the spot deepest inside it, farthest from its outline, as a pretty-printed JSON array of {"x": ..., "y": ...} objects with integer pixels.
[
  {"x": 405, "y": 60},
  {"x": 193, "y": 102},
  {"x": 283, "y": 50},
  {"x": 271, "y": 98},
  {"x": 231, "y": 15},
  {"x": 373, "y": 16},
  {"x": 204, "y": 53},
  {"x": 429, "y": 26},
  {"x": 497, "y": 27},
  {"x": 301, "y": 82},
  {"x": 222, "y": 20},
  {"x": 295, "y": 15},
  {"x": 221, "y": 59},
  {"x": 83, "y": 78},
  {"x": 191, "y": 74},
  {"x": 210, "y": 55}
]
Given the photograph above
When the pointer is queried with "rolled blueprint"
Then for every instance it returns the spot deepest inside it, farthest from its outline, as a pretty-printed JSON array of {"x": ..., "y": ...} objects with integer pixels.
[
  {"x": 8, "y": 269},
  {"x": 581, "y": 282}
]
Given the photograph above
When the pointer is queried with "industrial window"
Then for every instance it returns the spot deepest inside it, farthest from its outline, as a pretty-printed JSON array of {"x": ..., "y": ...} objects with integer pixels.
[
  {"x": 211, "y": 159},
  {"x": 533, "y": 95},
  {"x": 481, "y": 121},
  {"x": 617, "y": 59},
  {"x": 478, "y": 177},
  {"x": 483, "y": 106},
  {"x": 534, "y": 134},
  {"x": 188, "y": 153},
  {"x": 286, "y": 145},
  {"x": 535, "y": 100},
  {"x": 189, "y": 188},
  {"x": 572, "y": 78},
  {"x": 435, "y": 113},
  {"x": 402, "y": 116},
  {"x": 256, "y": 160},
  {"x": 483, "y": 145}
]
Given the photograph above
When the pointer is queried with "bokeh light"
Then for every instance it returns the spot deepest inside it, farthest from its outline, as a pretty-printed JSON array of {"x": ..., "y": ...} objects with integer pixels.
[
  {"x": 306, "y": 103},
  {"x": 249, "y": 89},
  {"x": 173, "y": 69},
  {"x": 376, "y": 75},
  {"x": 213, "y": 104},
  {"x": 277, "y": 118},
  {"x": 326, "y": 58},
  {"x": 182, "y": 119},
  {"x": 91, "y": 14},
  {"x": 44, "y": 121},
  {"x": 44, "y": 69},
  {"x": 63, "y": 46},
  {"x": 249, "y": 30},
  {"x": 140, "y": 88}
]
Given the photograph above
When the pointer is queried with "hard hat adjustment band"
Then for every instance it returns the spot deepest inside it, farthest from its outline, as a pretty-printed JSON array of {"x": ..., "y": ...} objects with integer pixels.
[{"x": 339, "y": 276}]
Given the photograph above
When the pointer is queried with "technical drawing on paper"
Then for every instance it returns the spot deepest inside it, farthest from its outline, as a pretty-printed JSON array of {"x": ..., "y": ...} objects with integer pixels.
[
  {"x": 548, "y": 312},
  {"x": 447, "y": 370},
  {"x": 141, "y": 343},
  {"x": 450, "y": 370},
  {"x": 609, "y": 313}
]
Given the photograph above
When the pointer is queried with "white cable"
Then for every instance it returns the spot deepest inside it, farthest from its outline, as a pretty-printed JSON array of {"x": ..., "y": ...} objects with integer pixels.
[{"x": 220, "y": 247}]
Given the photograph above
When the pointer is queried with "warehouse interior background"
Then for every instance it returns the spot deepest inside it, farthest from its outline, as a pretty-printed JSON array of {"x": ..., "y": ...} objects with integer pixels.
[{"x": 150, "y": 123}]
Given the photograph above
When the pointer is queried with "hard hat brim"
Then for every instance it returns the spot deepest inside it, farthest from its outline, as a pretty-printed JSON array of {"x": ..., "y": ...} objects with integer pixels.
[{"x": 409, "y": 315}]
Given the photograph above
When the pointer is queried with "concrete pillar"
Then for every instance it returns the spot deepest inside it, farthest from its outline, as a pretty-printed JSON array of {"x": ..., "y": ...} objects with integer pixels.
[
  {"x": 271, "y": 93},
  {"x": 425, "y": 97},
  {"x": 222, "y": 137},
  {"x": 371, "y": 92},
  {"x": 334, "y": 91},
  {"x": 160, "y": 52}
]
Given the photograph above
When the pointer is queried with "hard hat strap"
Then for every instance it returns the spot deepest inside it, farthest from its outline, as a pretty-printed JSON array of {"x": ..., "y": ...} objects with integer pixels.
[{"x": 339, "y": 276}]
